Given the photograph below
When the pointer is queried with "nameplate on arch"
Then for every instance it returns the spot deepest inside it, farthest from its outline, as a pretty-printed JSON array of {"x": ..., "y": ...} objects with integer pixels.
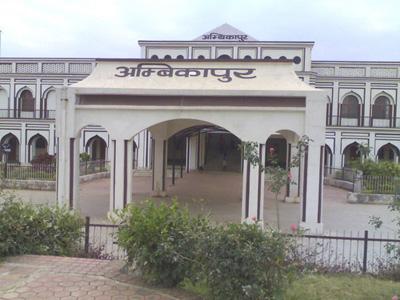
[{"x": 221, "y": 74}]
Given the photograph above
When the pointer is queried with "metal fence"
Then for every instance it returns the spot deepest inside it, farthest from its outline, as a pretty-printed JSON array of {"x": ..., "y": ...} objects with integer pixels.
[
  {"x": 93, "y": 166},
  {"x": 380, "y": 184},
  {"x": 346, "y": 174},
  {"x": 30, "y": 114},
  {"x": 29, "y": 172},
  {"x": 48, "y": 171},
  {"x": 100, "y": 241},
  {"x": 352, "y": 252}
]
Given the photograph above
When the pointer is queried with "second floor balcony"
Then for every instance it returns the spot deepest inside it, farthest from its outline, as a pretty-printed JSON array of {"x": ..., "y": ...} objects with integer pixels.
[
  {"x": 346, "y": 121},
  {"x": 27, "y": 114}
]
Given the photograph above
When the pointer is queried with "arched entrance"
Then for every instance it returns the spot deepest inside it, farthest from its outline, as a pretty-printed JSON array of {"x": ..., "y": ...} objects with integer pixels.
[
  {"x": 388, "y": 152},
  {"x": 97, "y": 148},
  {"x": 37, "y": 147},
  {"x": 26, "y": 105},
  {"x": 13, "y": 143},
  {"x": 127, "y": 97},
  {"x": 351, "y": 154}
]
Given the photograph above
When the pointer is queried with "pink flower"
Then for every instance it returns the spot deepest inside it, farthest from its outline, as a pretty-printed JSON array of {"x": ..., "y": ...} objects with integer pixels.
[
  {"x": 395, "y": 297},
  {"x": 289, "y": 176},
  {"x": 293, "y": 227},
  {"x": 271, "y": 150},
  {"x": 253, "y": 219}
]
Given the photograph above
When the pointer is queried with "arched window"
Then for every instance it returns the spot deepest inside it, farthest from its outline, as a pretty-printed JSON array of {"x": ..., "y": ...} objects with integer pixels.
[
  {"x": 267, "y": 58},
  {"x": 37, "y": 146},
  {"x": 96, "y": 147},
  {"x": 13, "y": 144},
  {"x": 154, "y": 57},
  {"x": 179, "y": 57},
  {"x": 167, "y": 56},
  {"x": 388, "y": 152},
  {"x": 3, "y": 103},
  {"x": 350, "y": 107},
  {"x": 282, "y": 58},
  {"x": 247, "y": 57},
  {"x": 49, "y": 105},
  {"x": 224, "y": 56},
  {"x": 381, "y": 108},
  {"x": 26, "y": 105},
  {"x": 351, "y": 153},
  {"x": 201, "y": 57}
]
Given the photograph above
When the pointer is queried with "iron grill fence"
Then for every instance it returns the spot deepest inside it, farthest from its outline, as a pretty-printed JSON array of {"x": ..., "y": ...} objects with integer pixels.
[
  {"x": 17, "y": 171},
  {"x": 380, "y": 184},
  {"x": 354, "y": 121},
  {"x": 346, "y": 174},
  {"x": 351, "y": 251},
  {"x": 93, "y": 166},
  {"x": 29, "y": 172},
  {"x": 31, "y": 114}
]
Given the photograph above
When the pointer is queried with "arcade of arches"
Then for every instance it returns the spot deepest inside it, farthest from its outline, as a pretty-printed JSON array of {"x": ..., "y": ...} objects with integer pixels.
[{"x": 197, "y": 121}]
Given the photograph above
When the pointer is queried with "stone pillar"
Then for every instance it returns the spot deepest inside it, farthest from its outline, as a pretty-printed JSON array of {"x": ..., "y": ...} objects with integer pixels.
[
  {"x": 253, "y": 189},
  {"x": 159, "y": 166},
  {"x": 312, "y": 188},
  {"x": 293, "y": 194},
  {"x": 193, "y": 153},
  {"x": 24, "y": 145},
  {"x": 121, "y": 173}
]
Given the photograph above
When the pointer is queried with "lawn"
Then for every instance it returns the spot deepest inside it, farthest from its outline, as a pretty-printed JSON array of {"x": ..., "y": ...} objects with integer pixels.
[{"x": 349, "y": 287}]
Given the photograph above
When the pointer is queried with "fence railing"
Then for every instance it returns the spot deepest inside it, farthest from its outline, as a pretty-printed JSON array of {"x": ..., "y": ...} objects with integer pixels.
[
  {"x": 380, "y": 184},
  {"x": 93, "y": 166},
  {"x": 29, "y": 172},
  {"x": 346, "y": 174},
  {"x": 32, "y": 114},
  {"x": 349, "y": 121},
  {"x": 354, "y": 252},
  {"x": 48, "y": 171}
]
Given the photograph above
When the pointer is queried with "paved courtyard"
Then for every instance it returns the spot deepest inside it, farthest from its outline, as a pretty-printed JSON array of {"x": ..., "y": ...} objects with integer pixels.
[
  {"x": 33, "y": 277},
  {"x": 219, "y": 193}
]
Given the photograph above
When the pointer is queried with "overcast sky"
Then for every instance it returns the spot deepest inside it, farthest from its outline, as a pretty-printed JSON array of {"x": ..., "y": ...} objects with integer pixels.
[{"x": 341, "y": 29}]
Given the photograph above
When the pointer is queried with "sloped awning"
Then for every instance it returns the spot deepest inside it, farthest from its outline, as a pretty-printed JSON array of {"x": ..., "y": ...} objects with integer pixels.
[{"x": 193, "y": 77}]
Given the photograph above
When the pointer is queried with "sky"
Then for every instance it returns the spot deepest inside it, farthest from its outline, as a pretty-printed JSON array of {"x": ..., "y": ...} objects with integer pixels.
[{"x": 341, "y": 29}]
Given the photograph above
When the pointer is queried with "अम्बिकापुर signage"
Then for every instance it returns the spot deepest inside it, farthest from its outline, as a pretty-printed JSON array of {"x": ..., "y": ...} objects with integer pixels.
[{"x": 165, "y": 70}]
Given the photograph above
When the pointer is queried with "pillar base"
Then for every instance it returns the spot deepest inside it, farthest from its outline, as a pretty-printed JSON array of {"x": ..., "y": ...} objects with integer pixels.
[
  {"x": 312, "y": 228},
  {"x": 294, "y": 199}
]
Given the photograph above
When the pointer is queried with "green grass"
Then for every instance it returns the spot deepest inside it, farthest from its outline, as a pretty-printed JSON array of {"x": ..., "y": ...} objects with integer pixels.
[
  {"x": 327, "y": 287},
  {"x": 337, "y": 287}
]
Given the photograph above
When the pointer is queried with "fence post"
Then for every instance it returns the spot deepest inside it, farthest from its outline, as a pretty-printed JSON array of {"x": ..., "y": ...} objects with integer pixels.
[
  {"x": 357, "y": 182},
  {"x": 173, "y": 172},
  {"x": 365, "y": 256},
  {"x": 181, "y": 169},
  {"x": 87, "y": 227}
]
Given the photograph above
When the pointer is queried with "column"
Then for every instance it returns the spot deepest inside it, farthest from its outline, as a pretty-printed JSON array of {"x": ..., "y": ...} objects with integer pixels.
[
  {"x": 253, "y": 189},
  {"x": 293, "y": 194},
  {"x": 121, "y": 173},
  {"x": 51, "y": 139},
  {"x": 159, "y": 166},
  {"x": 193, "y": 152},
  {"x": 312, "y": 188},
  {"x": 23, "y": 146}
]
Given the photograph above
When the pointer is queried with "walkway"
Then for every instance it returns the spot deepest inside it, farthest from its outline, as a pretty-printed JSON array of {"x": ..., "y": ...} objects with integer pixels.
[
  {"x": 33, "y": 277},
  {"x": 220, "y": 194}
]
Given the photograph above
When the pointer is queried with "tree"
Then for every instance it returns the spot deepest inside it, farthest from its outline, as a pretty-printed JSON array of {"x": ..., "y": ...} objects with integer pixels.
[{"x": 279, "y": 177}]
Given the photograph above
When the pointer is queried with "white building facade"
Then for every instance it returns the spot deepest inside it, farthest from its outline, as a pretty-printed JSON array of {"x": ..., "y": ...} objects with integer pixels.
[{"x": 361, "y": 104}]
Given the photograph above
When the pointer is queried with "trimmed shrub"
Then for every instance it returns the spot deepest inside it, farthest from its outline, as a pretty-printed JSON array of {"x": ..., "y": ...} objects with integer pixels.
[
  {"x": 241, "y": 261},
  {"x": 238, "y": 261},
  {"x": 161, "y": 241},
  {"x": 29, "y": 229}
]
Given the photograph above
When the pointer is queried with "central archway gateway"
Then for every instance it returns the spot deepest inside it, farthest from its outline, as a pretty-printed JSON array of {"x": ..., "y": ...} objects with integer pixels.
[{"x": 251, "y": 99}]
